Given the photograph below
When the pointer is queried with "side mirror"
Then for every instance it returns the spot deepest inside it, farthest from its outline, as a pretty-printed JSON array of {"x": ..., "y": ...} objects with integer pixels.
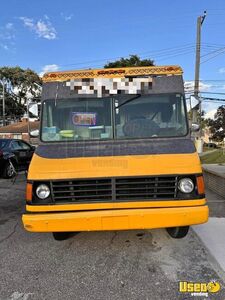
[
  {"x": 33, "y": 110},
  {"x": 195, "y": 127},
  {"x": 33, "y": 115},
  {"x": 34, "y": 133}
]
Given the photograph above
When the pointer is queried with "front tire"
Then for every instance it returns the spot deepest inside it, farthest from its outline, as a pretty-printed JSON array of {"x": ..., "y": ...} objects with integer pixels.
[
  {"x": 9, "y": 170},
  {"x": 61, "y": 236},
  {"x": 178, "y": 232}
]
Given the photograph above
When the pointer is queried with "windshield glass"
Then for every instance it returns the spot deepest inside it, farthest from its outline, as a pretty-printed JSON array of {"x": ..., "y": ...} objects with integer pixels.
[
  {"x": 150, "y": 116},
  {"x": 77, "y": 119},
  {"x": 123, "y": 116}
]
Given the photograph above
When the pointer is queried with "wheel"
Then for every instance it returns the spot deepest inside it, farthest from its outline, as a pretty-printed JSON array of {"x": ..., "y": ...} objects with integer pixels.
[
  {"x": 178, "y": 232},
  {"x": 9, "y": 170},
  {"x": 61, "y": 236}
]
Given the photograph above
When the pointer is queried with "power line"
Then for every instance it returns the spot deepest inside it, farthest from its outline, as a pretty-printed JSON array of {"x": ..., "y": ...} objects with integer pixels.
[
  {"x": 171, "y": 52},
  {"x": 160, "y": 54},
  {"x": 158, "y": 58},
  {"x": 214, "y": 44},
  {"x": 91, "y": 65},
  {"x": 212, "y": 93},
  {"x": 213, "y": 56},
  {"x": 209, "y": 93},
  {"x": 213, "y": 99},
  {"x": 175, "y": 55},
  {"x": 155, "y": 52},
  {"x": 223, "y": 80},
  {"x": 214, "y": 51}
]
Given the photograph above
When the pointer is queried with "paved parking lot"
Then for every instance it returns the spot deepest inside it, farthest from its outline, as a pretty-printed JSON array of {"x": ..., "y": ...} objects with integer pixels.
[{"x": 96, "y": 265}]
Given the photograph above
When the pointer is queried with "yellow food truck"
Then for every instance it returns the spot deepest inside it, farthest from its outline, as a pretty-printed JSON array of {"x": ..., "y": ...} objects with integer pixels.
[{"x": 115, "y": 153}]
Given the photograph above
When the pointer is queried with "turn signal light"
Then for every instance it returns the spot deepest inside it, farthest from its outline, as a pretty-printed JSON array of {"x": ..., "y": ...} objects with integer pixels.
[
  {"x": 200, "y": 185},
  {"x": 29, "y": 192}
]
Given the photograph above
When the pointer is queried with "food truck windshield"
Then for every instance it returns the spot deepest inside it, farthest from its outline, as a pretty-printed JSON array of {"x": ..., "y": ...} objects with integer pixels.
[{"x": 117, "y": 117}]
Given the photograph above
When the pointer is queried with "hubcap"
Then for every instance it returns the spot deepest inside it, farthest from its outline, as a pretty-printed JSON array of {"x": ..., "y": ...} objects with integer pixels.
[{"x": 10, "y": 169}]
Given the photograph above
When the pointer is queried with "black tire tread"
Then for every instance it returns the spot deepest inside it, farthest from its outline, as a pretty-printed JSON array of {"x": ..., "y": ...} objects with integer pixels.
[
  {"x": 61, "y": 236},
  {"x": 178, "y": 232}
]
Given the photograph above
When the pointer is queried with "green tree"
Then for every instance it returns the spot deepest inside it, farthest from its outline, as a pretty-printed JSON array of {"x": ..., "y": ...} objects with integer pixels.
[
  {"x": 20, "y": 85},
  {"x": 217, "y": 126},
  {"x": 133, "y": 61},
  {"x": 200, "y": 118}
]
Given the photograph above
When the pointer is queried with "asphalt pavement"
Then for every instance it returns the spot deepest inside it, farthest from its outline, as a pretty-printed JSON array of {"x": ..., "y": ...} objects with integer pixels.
[{"x": 143, "y": 264}]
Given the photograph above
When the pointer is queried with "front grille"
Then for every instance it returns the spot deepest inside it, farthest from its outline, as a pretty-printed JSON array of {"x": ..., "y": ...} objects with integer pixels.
[
  {"x": 114, "y": 189},
  {"x": 145, "y": 188}
]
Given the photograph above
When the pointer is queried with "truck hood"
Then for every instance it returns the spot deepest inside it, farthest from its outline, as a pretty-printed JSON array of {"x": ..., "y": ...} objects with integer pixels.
[{"x": 42, "y": 168}]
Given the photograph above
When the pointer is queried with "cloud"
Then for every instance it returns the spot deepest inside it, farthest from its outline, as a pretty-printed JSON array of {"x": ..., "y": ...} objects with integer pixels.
[
  {"x": 9, "y": 26},
  {"x": 203, "y": 87},
  {"x": 4, "y": 46},
  {"x": 7, "y": 36},
  {"x": 43, "y": 28},
  {"x": 48, "y": 68},
  {"x": 222, "y": 70},
  {"x": 28, "y": 22},
  {"x": 210, "y": 114},
  {"x": 210, "y": 108},
  {"x": 66, "y": 17},
  {"x": 7, "y": 32}
]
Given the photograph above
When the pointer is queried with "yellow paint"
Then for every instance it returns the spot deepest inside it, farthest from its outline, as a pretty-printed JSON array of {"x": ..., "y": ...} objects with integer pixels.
[
  {"x": 116, "y": 205},
  {"x": 108, "y": 166},
  {"x": 114, "y": 216},
  {"x": 112, "y": 73},
  {"x": 116, "y": 219}
]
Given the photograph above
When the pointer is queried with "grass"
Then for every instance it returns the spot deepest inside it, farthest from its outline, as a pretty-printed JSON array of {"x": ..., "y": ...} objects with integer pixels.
[
  {"x": 205, "y": 149},
  {"x": 216, "y": 157}
]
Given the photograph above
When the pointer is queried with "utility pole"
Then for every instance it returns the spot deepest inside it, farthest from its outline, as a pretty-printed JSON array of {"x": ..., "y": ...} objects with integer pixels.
[
  {"x": 200, "y": 21},
  {"x": 198, "y": 141},
  {"x": 3, "y": 103}
]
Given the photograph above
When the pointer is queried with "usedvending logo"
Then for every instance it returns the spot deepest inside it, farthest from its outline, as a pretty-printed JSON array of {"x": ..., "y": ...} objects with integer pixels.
[{"x": 199, "y": 288}]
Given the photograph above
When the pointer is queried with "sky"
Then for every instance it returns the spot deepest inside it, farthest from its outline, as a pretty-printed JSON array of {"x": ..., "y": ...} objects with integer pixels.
[{"x": 63, "y": 35}]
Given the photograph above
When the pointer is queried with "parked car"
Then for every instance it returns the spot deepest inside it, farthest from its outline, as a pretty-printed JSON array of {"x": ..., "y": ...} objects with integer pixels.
[
  {"x": 211, "y": 145},
  {"x": 15, "y": 155}
]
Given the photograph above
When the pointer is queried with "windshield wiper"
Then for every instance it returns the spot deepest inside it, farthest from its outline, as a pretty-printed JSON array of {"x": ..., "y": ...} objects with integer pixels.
[{"x": 129, "y": 100}]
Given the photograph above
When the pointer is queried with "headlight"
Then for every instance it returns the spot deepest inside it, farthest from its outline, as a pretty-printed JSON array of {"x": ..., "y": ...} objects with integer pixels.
[
  {"x": 42, "y": 191},
  {"x": 186, "y": 185}
]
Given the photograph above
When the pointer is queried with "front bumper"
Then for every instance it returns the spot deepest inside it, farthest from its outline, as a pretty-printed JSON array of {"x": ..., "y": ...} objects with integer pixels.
[{"x": 120, "y": 219}]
